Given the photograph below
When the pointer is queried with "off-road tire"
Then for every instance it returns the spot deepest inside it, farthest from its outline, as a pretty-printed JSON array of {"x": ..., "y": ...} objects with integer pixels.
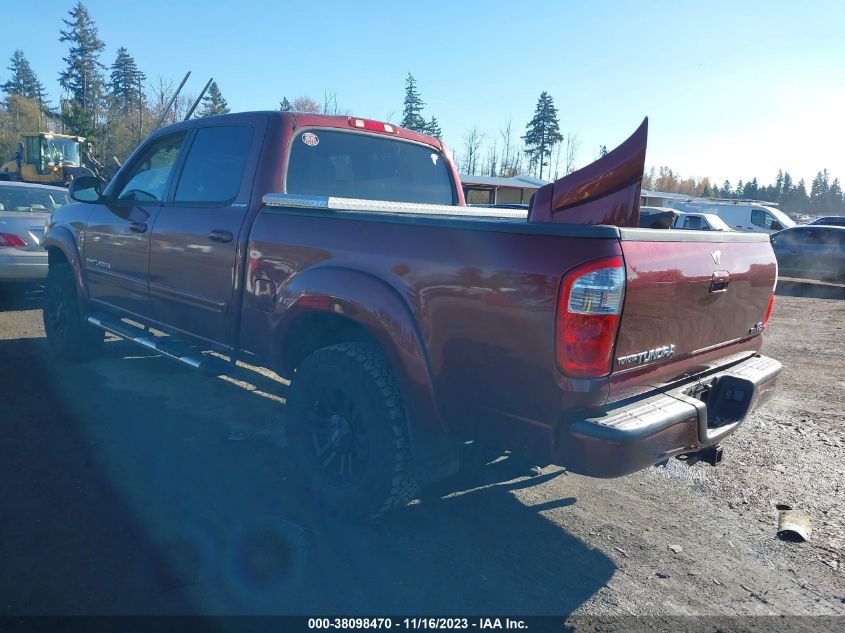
[
  {"x": 362, "y": 373},
  {"x": 69, "y": 336}
]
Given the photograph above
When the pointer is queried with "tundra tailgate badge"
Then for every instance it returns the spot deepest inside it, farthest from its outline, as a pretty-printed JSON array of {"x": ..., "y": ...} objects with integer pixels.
[{"x": 648, "y": 356}]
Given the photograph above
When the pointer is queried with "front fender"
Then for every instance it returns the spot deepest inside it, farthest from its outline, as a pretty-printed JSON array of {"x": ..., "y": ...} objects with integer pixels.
[
  {"x": 382, "y": 311},
  {"x": 62, "y": 239}
]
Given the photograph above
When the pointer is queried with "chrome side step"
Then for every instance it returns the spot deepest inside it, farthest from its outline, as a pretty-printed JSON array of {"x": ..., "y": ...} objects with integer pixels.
[{"x": 167, "y": 346}]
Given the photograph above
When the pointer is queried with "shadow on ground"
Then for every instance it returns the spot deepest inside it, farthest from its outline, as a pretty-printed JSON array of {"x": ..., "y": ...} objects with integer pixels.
[
  {"x": 125, "y": 490},
  {"x": 15, "y": 297}
]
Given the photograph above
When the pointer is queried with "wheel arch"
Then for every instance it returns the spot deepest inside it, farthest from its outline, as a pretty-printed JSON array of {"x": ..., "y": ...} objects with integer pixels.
[
  {"x": 62, "y": 248},
  {"x": 330, "y": 305}
]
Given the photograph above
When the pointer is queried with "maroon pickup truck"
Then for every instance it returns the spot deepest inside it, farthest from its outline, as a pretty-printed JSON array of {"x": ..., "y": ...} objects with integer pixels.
[{"x": 339, "y": 252}]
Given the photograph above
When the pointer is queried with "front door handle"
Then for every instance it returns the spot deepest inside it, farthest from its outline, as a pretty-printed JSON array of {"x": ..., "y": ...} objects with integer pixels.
[
  {"x": 220, "y": 236},
  {"x": 138, "y": 227}
]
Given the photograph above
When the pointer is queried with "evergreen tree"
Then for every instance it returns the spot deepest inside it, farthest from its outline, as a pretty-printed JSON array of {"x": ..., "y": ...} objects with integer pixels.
[
  {"x": 602, "y": 150},
  {"x": 82, "y": 77},
  {"x": 23, "y": 81},
  {"x": 433, "y": 129},
  {"x": 284, "y": 105},
  {"x": 739, "y": 189},
  {"x": 818, "y": 191},
  {"x": 125, "y": 83},
  {"x": 213, "y": 102},
  {"x": 800, "y": 200},
  {"x": 726, "y": 189},
  {"x": 412, "y": 112},
  {"x": 542, "y": 132},
  {"x": 835, "y": 200}
]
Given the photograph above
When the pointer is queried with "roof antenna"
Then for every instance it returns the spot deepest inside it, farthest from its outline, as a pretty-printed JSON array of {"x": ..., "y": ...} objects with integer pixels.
[{"x": 197, "y": 102}]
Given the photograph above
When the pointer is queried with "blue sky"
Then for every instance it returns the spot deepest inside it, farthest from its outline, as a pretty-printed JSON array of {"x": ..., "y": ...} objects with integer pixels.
[{"x": 732, "y": 90}]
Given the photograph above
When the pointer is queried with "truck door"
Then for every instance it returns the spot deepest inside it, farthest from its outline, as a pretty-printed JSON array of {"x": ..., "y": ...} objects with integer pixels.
[
  {"x": 194, "y": 272},
  {"x": 117, "y": 237}
]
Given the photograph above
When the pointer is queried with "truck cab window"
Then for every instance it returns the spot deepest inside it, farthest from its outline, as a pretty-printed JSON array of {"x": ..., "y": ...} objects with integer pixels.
[
  {"x": 215, "y": 165},
  {"x": 148, "y": 178},
  {"x": 350, "y": 165}
]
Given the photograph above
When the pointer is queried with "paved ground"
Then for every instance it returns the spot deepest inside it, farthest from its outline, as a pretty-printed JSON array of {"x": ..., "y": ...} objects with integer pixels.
[{"x": 130, "y": 485}]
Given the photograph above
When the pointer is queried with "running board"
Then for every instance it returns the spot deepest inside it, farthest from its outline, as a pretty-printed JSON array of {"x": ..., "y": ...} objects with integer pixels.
[{"x": 169, "y": 346}]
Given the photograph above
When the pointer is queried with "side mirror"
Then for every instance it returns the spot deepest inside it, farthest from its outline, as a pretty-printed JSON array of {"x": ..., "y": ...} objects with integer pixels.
[
  {"x": 776, "y": 226},
  {"x": 85, "y": 189}
]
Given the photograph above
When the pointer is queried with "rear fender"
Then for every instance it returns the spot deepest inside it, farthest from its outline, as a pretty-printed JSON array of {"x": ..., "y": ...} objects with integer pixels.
[{"x": 381, "y": 311}]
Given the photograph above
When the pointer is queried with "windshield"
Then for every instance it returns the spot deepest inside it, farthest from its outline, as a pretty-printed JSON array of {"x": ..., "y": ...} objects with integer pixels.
[
  {"x": 60, "y": 150},
  {"x": 353, "y": 165},
  {"x": 30, "y": 199},
  {"x": 785, "y": 221}
]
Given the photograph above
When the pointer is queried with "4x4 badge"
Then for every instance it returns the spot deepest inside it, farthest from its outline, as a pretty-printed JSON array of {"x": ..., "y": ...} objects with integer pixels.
[{"x": 717, "y": 257}]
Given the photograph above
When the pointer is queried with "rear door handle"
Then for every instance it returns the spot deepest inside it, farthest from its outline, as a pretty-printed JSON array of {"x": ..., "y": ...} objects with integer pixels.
[
  {"x": 220, "y": 236},
  {"x": 138, "y": 227}
]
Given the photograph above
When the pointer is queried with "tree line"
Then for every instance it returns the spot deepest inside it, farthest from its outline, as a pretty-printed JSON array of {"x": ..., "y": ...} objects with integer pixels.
[
  {"x": 116, "y": 106},
  {"x": 825, "y": 197}
]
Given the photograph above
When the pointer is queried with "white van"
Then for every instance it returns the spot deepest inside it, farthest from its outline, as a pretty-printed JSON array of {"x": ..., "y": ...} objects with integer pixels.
[{"x": 740, "y": 215}]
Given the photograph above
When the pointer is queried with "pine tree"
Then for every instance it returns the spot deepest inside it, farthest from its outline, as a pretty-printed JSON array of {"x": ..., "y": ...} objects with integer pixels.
[
  {"x": 835, "y": 202},
  {"x": 602, "y": 150},
  {"x": 213, "y": 102},
  {"x": 125, "y": 92},
  {"x": 82, "y": 77},
  {"x": 412, "y": 113},
  {"x": 23, "y": 81},
  {"x": 726, "y": 189},
  {"x": 284, "y": 105},
  {"x": 433, "y": 129},
  {"x": 739, "y": 189},
  {"x": 542, "y": 132},
  {"x": 800, "y": 199}
]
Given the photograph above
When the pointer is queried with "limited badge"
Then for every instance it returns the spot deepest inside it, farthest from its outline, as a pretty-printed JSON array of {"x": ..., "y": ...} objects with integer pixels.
[
  {"x": 434, "y": 159},
  {"x": 310, "y": 139}
]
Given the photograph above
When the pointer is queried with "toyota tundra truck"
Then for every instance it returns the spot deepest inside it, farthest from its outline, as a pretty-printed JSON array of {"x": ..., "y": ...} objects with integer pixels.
[{"x": 338, "y": 251}]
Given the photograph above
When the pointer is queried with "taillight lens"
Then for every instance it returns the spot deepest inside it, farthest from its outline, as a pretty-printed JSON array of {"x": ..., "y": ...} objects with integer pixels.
[
  {"x": 7, "y": 239},
  {"x": 588, "y": 312},
  {"x": 769, "y": 311}
]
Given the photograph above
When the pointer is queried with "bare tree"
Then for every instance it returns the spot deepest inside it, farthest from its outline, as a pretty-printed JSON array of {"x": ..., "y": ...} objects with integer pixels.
[
  {"x": 306, "y": 104},
  {"x": 329, "y": 102},
  {"x": 472, "y": 149},
  {"x": 572, "y": 146},
  {"x": 505, "y": 166},
  {"x": 491, "y": 168}
]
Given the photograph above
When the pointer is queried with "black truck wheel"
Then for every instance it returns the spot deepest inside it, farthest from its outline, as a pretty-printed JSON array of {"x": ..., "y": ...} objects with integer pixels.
[
  {"x": 348, "y": 432},
  {"x": 69, "y": 336}
]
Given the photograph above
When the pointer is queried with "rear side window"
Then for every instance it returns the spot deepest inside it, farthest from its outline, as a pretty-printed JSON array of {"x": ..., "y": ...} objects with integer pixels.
[
  {"x": 26, "y": 199},
  {"x": 353, "y": 165},
  {"x": 693, "y": 222},
  {"x": 215, "y": 165}
]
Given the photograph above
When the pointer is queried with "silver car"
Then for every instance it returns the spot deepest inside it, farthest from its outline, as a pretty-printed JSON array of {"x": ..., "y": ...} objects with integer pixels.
[{"x": 24, "y": 208}]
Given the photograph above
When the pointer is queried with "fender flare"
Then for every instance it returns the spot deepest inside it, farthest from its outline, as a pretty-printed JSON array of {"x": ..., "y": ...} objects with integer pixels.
[
  {"x": 62, "y": 239},
  {"x": 379, "y": 308}
]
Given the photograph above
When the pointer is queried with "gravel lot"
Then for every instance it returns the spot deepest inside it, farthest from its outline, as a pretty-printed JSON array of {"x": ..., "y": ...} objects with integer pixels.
[{"x": 131, "y": 485}]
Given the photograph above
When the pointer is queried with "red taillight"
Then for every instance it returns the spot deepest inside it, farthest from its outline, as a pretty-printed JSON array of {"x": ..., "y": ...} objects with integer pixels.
[
  {"x": 588, "y": 312},
  {"x": 373, "y": 126},
  {"x": 7, "y": 239},
  {"x": 769, "y": 311}
]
